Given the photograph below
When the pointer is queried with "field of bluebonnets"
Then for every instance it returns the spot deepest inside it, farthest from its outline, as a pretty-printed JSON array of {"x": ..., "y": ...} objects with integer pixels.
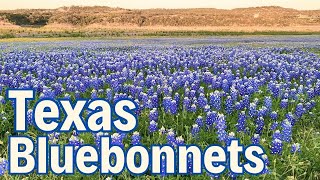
[{"x": 262, "y": 90}]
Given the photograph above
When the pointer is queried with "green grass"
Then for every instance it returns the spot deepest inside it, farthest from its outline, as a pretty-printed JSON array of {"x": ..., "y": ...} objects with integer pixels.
[{"x": 36, "y": 33}]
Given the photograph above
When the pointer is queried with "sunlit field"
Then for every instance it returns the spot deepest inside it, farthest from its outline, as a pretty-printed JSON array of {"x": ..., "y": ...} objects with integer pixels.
[{"x": 261, "y": 90}]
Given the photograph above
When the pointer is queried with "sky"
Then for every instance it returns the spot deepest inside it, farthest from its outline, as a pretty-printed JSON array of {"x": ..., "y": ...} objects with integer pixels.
[{"x": 145, "y": 4}]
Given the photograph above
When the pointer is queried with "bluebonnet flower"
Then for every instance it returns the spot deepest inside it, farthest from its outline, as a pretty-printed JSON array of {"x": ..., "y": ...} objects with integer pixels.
[
  {"x": 265, "y": 159},
  {"x": 193, "y": 108},
  {"x": 135, "y": 138},
  {"x": 67, "y": 96},
  {"x": 187, "y": 90},
  {"x": 262, "y": 112},
  {"x": 101, "y": 91},
  {"x": 250, "y": 90},
  {"x": 153, "y": 127},
  {"x": 210, "y": 119},
  {"x": 290, "y": 117},
  {"x": 238, "y": 106},
  {"x": 75, "y": 133},
  {"x": 117, "y": 140},
  {"x": 255, "y": 139},
  {"x": 267, "y": 163},
  {"x": 234, "y": 93},
  {"x": 275, "y": 90},
  {"x": 293, "y": 93},
  {"x": 97, "y": 138},
  {"x": 286, "y": 130},
  {"x": 123, "y": 135},
  {"x": 241, "y": 125},
  {"x": 215, "y": 100},
  {"x": 299, "y": 110},
  {"x": 154, "y": 101},
  {"x": 310, "y": 105},
  {"x": 229, "y": 105},
  {"x": 186, "y": 103},
  {"x": 276, "y": 146},
  {"x": 53, "y": 137},
  {"x": 30, "y": 116},
  {"x": 284, "y": 103},
  {"x": 246, "y": 101},
  {"x": 148, "y": 104},
  {"x": 48, "y": 93},
  {"x": 179, "y": 141},
  {"x": 277, "y": 135},
  {"x": 75, "y": 141},
  {"x": 150, "y": 92},
  {"x": 232, "y": 175},
  {"x": 166, "y": 104},
  {"x": 82, "y": 88},
  {"x": 154, "y": 115},
  {"x": 256, "y": 101},
  {"x": 174, "y": 107},
  {"x": 311, "y": 93},
  {"x": 213, "y": 176},
  {"x": 207, "y": 109},
  {"x": 268, "y": 103},
  {"x": 230, "y": 137},
  {"x": 201, "y": 90},
  {"x": 274, "y": 126},
  {"x": 139, "y": 109},
  {"x": 242, "y": 89},
  {"x": 221, "y": 127},
  {"x": 225, "y": 85},
  {"x": 202, "y": 101},
  {"x": 171, "y": 137},
  {"x": 274, "y": 115},
  {"x": 4, "y": 164},
  {"x": 77, "y": 94},
  {"x": 162, "y": 131},
  {"x": 295, "y": 148},
  {"x": 192, "y": 94},
  {"x": 94, "y": 94},
  {"x": 252, "y": 110},
  {"x": 195, "y": 130},
  {"x": 259, "y": 125},
  {"x": 177, "y": 98},
  {"x": 109, "y": 94},
  {"x": 199, "y": 121}
]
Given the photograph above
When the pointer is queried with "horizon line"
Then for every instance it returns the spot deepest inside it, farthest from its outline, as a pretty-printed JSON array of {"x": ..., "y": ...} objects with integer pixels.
[{"x": 182, "y": 8}]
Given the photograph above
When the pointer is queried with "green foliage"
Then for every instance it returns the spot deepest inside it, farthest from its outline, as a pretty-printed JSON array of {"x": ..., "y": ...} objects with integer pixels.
[
  {"x": 7, "y": 36},
  {"x": 27, "y": 19}
]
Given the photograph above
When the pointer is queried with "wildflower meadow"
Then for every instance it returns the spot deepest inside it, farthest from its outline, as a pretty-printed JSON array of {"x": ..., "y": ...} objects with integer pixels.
[{"x": 265, "y": 91}]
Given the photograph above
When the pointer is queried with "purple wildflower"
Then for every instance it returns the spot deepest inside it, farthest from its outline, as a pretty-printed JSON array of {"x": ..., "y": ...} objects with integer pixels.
[
  {"x": 135, "y": 138},
  {"x": 295, "y": 148},
  {"x": 255, "y": 139},
  {"x": 153, "y": 127},
  {"x": 4, "y": 164},
  {"x": 276, "y": 146},
  {"x": 195, "y": 130}
]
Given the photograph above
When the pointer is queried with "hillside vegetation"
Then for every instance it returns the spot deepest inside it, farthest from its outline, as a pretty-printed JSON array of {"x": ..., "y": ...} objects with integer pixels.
[
  {"x": 80, "y": 19},
  {"x": 83, "y": 16}
]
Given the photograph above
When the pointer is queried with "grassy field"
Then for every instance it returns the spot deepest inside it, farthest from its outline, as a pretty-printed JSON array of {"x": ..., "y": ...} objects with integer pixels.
[{"x": 9, "y": 33}]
